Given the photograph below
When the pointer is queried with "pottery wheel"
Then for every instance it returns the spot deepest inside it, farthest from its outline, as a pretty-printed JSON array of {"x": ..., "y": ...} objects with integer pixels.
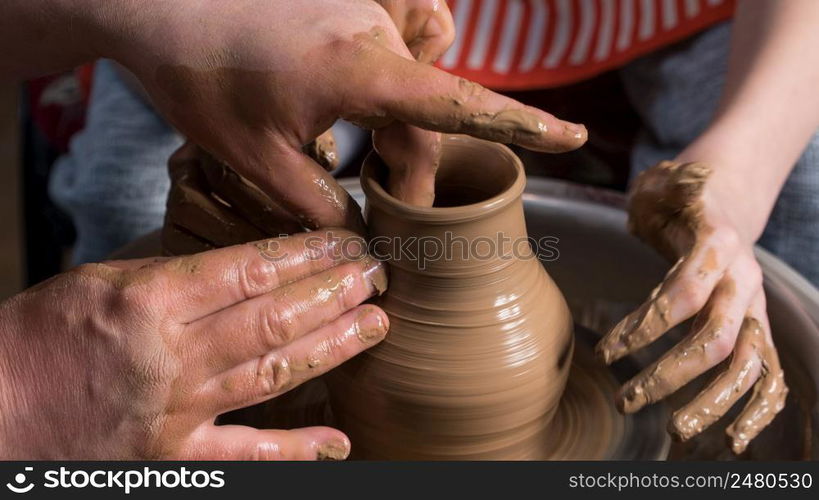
[{"x": 587, "y": 426}]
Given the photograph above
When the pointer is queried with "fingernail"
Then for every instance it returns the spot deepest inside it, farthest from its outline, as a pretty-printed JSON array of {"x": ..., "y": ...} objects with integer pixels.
[
  {"x": 375, "y": 274},
  {"x": 575, "y": 131},
  {"x": 371, "y": 325},
  {"x": 608, "y": 354},
  {"x": 683, "y": 426},
  {"x": 738, "y": 445},
  {"x": 333, "y": 450},
  {"x": 631, "y": 399}
]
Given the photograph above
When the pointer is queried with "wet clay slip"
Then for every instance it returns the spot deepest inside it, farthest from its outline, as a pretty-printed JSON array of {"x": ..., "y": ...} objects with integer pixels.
[{"x": 480, "y": 343}]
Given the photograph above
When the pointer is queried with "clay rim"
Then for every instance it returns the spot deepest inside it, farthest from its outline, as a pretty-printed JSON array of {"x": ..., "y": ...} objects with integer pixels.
[{"x": 377, "y": 195}]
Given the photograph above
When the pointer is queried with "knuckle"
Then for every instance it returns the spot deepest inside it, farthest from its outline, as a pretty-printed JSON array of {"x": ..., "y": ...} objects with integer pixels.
[
  {"x": 726, "y": 240},
  {"x": 276, "y": 327},
  {"x": 265, "y": 450},
  {"x": 141, "y": 297},
  {"x": 447, "y": 33},
  {"x": 469, "y": 91},
  {"x": 691, "y": 295},
  {"x": 722, "y": 345},
  {"x": 257, "y": 276},
  {"x": 275, "y": 375}
]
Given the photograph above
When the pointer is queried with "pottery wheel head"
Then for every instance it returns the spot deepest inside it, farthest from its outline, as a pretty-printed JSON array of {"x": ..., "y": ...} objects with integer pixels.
[{"x": 587, "y": 425}]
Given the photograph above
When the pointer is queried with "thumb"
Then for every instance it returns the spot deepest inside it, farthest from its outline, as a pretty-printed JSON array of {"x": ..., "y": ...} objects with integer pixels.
[
  {"x": 425, "y": 25},
  {"x": 304, "y": 188}
]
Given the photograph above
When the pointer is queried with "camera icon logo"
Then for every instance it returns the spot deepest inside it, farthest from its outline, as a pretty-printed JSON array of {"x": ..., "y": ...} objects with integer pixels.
[{"x": 20, "y": 478}]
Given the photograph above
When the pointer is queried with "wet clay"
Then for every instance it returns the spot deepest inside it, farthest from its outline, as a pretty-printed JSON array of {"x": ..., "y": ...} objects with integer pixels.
[
  {"x": 480, "y": 344},
  {"x": 768, "y": 397},
  {"x": 666, "y": 205}
]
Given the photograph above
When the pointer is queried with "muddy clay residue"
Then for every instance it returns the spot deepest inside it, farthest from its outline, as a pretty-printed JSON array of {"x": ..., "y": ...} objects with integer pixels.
[
  {"x": 636, "y": 330},
  {"x": 769, "y": 393}
]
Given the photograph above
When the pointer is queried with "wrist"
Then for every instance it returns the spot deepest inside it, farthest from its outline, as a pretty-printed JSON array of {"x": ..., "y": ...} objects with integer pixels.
[{"x": 743, "y": 188}]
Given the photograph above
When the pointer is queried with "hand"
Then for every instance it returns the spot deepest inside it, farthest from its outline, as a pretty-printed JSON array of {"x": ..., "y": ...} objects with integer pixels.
[
  {"x": 135, "y": 359},
  {"x": 678, "y": 210},
  {"x": 425, "y": 25},
  {"x": 211, "y": 206},
  {"x": 253, "y": 96}
]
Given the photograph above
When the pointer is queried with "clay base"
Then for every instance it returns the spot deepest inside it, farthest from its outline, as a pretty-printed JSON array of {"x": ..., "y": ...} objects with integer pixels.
[{"x": 587, "y": 426}]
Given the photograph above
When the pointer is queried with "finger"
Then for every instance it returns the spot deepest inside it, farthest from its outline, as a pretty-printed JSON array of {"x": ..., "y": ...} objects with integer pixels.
[
  {"x": 188, "y": 156},
  {"x": 684, "y": 291},
  {"x": 724, "y": 390},
  {"x": 191, "y": 207},
  {"x": 306, "y": 190},
  {"x": 711, "y": 342},
  {"x": 134, "y": 264},
  {"x": 255, "y": 327},
  {"x": 426, "y": 26},
  {"x": 237, "y": 442},
  {"x": 208, "y": 282},
  {"x": 436, "y": 35},
  {"x": 323, "y": 150},
  {"x": 176, "y": 240},
  {"x": 770, "y": 391},
  {"x": 412, "y": 155},
  {"x": 247, "y": 200},
  {"x": 432, "y": 99},
  {"x": 310, "y": 356}
]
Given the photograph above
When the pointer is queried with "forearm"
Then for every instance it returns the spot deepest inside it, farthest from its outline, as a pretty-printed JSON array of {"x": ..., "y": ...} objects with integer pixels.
[
  {"x": 42, "y": 36},
  {"x": 769, "y": 108}
]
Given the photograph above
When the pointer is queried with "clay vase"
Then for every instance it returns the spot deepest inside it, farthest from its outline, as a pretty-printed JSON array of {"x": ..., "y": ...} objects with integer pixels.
[{"x": 480, "y": 341}]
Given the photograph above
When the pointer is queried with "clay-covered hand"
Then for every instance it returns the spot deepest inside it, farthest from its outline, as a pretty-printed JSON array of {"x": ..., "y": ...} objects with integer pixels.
[
  {"x": 210, "y": 206},
  {"x": 135, "y": 359},
  {"x": 716, "y": 278},
  {"x": 253, "y": 81}
]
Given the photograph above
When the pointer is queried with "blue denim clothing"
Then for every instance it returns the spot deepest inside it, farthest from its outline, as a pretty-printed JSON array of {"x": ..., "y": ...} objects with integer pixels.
[
  {"x": 114, "y": 181},
  {"x": 675, "y": 91}
]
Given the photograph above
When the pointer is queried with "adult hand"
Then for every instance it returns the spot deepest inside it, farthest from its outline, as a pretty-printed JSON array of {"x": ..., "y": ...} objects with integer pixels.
[
  {"x": 676, "y": 208},
  {"x": 211, "y": 206},
  {"x": 413, "y": 154},
  {"x": 425, "y": 25},
  {"x": 135, "y": 359},
  {"x": 253, "y": 81}
]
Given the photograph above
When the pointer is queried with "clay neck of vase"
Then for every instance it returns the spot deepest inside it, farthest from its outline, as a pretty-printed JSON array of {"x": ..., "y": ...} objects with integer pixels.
[{"x": 476, "y": 225}]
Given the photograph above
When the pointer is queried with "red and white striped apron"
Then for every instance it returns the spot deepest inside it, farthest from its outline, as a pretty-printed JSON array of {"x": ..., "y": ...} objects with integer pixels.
[{"x": 525, "y": 44}]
